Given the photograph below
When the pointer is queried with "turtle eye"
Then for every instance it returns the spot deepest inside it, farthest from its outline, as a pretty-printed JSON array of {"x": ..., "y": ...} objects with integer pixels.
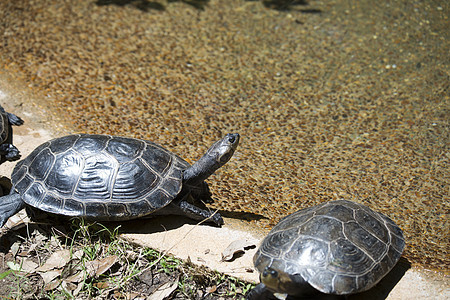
[
  {"x": 270, "y": 272},
  {"x": 233, "y": 137}
]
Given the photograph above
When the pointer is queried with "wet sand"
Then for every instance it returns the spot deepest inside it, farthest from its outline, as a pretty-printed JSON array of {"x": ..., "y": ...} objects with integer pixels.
[{"x": 333, "y": 100}]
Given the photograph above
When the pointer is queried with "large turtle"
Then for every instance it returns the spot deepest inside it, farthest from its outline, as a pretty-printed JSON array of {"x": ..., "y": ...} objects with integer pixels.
[
  {"x": 8, "y": 152},
  {"x": 339, "y": 247},
  {"x": 113, "y": 178}
]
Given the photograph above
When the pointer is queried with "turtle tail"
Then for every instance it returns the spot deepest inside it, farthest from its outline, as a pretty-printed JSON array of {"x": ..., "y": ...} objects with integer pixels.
[{"x": 9, "y": 206}]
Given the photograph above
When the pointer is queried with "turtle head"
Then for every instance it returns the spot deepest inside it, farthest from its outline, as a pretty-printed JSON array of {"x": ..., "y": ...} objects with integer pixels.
[
  {"x": 216, "y": 156},
  {"x": 270, "y": 279},
  {"x": 223, "y": 149},
  {"x": 278, "y": 281}
]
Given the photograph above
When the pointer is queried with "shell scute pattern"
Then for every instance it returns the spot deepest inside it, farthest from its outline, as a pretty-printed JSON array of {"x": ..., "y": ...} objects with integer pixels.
[
  {"x": 125, "y": 150},
  {"x": 97, "y": 178},
  {"x": 162, "y": 159},
  {"x": 50, "y": 203},
  {"x": 338, "y": 212},
  {"x": 347, "y": 258},
  {"x": 324, "y": 281},
  {"x": 90, "y": 144},
  {"x": 342, "y": 282},
  {"x": 374, "y": 224},
  {"x": 279, "y": 241},
  {"x": 39, "y": 168},
  {"x": 339, "y": 247},
  {"x": 100, "y": 176},
  {"x": 63, "y": 174},
  {"x": 308, "y": 252},
  {"x": 115, "y": 209},
  {"x": 36, "y": 192},
  {"x": 365, "y": 241},
  {"x": 73, "y": 207},
  {"x": 322, "y": 228},
  {"x": 59, "y": 145},
  {"x": 24, "y": 180},
  {"x": 137, "y": 170}
]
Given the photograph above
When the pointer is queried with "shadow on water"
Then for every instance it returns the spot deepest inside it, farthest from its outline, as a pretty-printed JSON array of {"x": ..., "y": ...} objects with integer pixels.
[
  {"x": 142, "y": 5},
  {"x": 286, "y": 5},
  {"x": 247, "y": 216},
  {"x": 198, "y": 4},
  {"x": 145, "y": 5}
]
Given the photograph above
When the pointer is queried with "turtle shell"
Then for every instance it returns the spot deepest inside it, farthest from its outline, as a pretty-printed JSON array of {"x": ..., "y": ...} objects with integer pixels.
[
  {"x": 5, "y": 126},
  {"x": 99, "y": 176},
  {"x": 339, "y": 247}
]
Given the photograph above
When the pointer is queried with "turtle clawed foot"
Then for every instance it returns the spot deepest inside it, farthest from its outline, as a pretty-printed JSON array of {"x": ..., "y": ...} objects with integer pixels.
[
  {"x": 200, "y": 214},
  {"x": 14, "y": 120},
  {"x": 217, "y": 219},
  {"x": 10, "y": 152}
]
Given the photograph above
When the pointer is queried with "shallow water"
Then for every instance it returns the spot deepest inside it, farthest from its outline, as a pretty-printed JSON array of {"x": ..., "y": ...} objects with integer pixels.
[{"x": 332, "y": 99}]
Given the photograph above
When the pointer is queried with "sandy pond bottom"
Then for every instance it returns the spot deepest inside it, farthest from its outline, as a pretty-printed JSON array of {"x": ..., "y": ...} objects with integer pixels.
[{"x": 205, "y": 245}]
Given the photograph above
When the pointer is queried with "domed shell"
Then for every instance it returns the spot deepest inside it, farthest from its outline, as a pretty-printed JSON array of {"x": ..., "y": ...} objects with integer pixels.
[
  {"x": 339, "y": 247},
  {"x": 101, "y": 176},
  {"x": 4, "y": 125}
]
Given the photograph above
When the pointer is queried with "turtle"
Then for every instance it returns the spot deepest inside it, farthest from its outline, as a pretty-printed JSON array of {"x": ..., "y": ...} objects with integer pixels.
[
  {"x": 8, "y": 152},
  {"x": 112, "y": 178},
  {"x": 338, "y": 247}
]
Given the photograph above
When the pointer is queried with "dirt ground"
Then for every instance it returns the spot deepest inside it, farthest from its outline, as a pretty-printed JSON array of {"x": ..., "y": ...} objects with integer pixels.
[{"x": 332, "y": 99}]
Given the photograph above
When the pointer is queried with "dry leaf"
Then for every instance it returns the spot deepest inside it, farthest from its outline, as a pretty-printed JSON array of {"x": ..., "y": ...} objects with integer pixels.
[
  {"x": 98, "y": 267},
  {"x": 236, "y": 247},
  {"x": 211, "y": 289},
  {"x": 52, "y": 285},
  {"x": 77, "y": 277},
  {"x": 18, "y": 221},
  {"x": 129, "y": 295},
  {"x": 49, "y": 276},
  {"x": 78, "y": 289},
  {"x": 68, "y": 286},
  {"x": 54, "y": 242},
  {"x": 15, "y": 248},
  {"x": 24, "y": 265},
  {"x": 38, "y": 240},
  {"x": 164, "y": 290},
  {"x": 78, "y": 254},
  {"x": 57, "y": 260},
  {"x": 102, "y": 285}
]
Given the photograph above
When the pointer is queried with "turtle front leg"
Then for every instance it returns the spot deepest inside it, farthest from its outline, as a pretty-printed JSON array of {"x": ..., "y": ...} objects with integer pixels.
[
  {"x": 9, "y": 206},
  {"x": 199, "y": 214},
  {"x": 259, "y": 292}
]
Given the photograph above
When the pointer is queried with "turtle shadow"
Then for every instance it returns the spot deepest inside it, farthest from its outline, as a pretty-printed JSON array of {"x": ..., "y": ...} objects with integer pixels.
[
  {"x": 146, "y": 6},
  {"x": 382, "y": 289},
  {"x": 160, "y": 223},
  {"x": 142, "y": 5},
  {"x": 156, "y": 224},
  {"x": 65, "y": 226},
  {"x": 379, "y": 292}
]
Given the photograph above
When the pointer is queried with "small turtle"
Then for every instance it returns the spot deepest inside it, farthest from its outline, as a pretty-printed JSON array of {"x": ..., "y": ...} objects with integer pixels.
[
  {"x": 339, "y": 247},
  {"x": 7, "y": 150},
  {"x": 113, "y": 178}
]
